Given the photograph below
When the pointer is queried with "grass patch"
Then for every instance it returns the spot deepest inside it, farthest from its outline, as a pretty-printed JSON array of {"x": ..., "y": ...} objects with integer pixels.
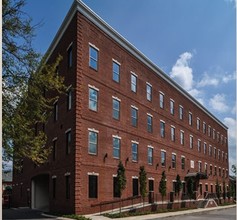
[{"x": 77, "y": 217}]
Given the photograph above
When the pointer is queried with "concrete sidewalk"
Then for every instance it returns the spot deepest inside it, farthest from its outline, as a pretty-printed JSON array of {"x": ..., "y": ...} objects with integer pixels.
[{"x": 163, "y": 215}]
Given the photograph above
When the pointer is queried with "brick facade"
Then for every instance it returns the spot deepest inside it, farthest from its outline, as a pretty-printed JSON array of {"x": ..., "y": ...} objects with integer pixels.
[{"x": 82, "y": 31}]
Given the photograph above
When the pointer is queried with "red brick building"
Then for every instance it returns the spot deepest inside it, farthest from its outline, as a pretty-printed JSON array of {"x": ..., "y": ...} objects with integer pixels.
[{"x": 119, "y": 106}]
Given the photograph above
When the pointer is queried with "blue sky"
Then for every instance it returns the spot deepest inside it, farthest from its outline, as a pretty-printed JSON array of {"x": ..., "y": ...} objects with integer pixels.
[{"x": 194, "y": 42}]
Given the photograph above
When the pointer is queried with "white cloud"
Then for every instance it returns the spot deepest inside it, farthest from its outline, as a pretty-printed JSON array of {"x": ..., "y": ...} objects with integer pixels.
[
  {"x": 181, "y": 72},
  {"x": 231, "y": 124},
  {"x": 228, "y": 77},
  {"x": 197, "y": 94},
  {"x": 218, "y": 103},
  {"x": 208, "y": 81}
]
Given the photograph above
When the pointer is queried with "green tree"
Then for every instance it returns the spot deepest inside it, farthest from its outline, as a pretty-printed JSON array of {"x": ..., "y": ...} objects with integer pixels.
[
  {"x": 25, "y": 77},
  {"x": 218, "y": 190},
  {"x": 121, "y": 176},
  {"x": 224, "y": 190},
  {"x": 233, "y": 169},
  {"x": 178, "y": 185},
  {"x": 143, "y": 182},
  {"x": 162, "y": 186}
]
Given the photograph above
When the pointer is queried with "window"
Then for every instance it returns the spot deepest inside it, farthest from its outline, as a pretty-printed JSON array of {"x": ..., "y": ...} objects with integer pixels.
[
  {"x": 55, "y": 110},
  {"x": 148, "y": 91},
  {"x": 162, "y": 129},
  {"x": 161, "y": 100},
  {"x": 191, "y": 141},
  {"x": 218, "y": 137},
  {"x": 190, "y": 118},
  {"x": 199, "y": 166},
  {"x": 181, "y": 137},
  {"x": 210, "y": 170},
  {"x": 133, "y": 83},
  {"x": 116, "y": 187},
  {"x": 171, "y": 107},
  {"x": 135, "y": 186},
  {"x": 173, "y": 161},
  {"x": 69, "y": 57},
  {"x": 93, "y": 57},
  {"x": 68, "y": 141},
  {"x": 93, "y": 99},
  {"x": 149, "y": 123},
  {"x": 218, "y": 154},
  {"x": 92, "y": 142},
  {"x": 213, "y": 134},
  {"x": 214, "y": 152},
  {"x": 116, "y": 71},
  {"x": 210, "y": 150},
  {"x": 183, "y": 163},
  {"x": 215, "y": 171},
  {"x": 68, "y": 183},
  {"x": 172, "y": 132},
  {"x": 181, "y": 112},
  {"x": 219, "y": 171},
  {"x": 116, "y": 109},
  {"x": 222, "y": 155},
  {"x": 205, "y": 168},
  {"x": 209, "y": 130},
  {"x": 163, "y": 158},
  {"x": 134, "y": 116},
  {"x": 151, "y": 185},
  {"x": 206, "y": 187},
  {"x": 69, "y": 99},
  {"x": 134, "y": 151},
  {"x": 54, "y": 187},
  {"x": 54, "y": 148},
  {"x": 199, "y": 145},
  {"x": 198, "y": 124},
  {"x": 205, "y": 148},
  {"x": 116, "y": 147},
  {"x": 93, "y": 186},
  {"x": 150, "y": 155},
  {"x": 204, "y": 127}
]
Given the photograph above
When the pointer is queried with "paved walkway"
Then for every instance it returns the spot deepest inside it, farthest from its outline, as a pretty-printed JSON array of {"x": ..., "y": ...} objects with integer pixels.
[{"x": 163, "y": 215}]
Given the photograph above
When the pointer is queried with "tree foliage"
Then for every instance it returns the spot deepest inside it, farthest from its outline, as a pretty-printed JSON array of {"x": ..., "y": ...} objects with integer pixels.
[
  {"x": 178, "y": 184},
  {"x": 121, "y": 178},
  {"x": 162, "y": 185},
  {"x": 143, "y": 181},
  {"x": 233, "y": 169},
  {"x": 26, "y": 77},
  {"x": 190, "y": 191}
]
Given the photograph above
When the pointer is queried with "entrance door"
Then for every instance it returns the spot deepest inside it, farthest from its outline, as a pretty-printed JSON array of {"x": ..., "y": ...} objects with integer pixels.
[{"x": 40, "y": 192}]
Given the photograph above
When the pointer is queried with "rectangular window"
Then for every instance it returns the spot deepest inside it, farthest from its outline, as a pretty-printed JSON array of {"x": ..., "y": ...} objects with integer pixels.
[
  {"x": 162, "y": 129},
  {"x": 151, "y": 185},
  {"x": 199, "y": 166},
  {"x": 204, "y": 148},
  {"x": 148, "y": 92},
  {"x": 68, "y": 142},
  {"x": 181, "y": 137},
  {"x": 116, "y": 187},
  {"x": 190, "y": 118},
  {"x": 68, "y": 186},
  {"x": 135, "y": 186},
  {"x": 54, "y": 149},
  {"x": 181, "y": 112},
  {"x": 93, "y": 58},
  {"x": 218, "y": 137},
  {"x": 222, "y": 155},
  {"x": 171, "y": 107},
  {"x": 133, "y": 83},
  {"x": 69, "y": 57},
  {"x": 206, "y": 188},
  {"x": 163, "y": 158},
  {"x": 93, "y": 99},
  {"x": 173, "y": 161},
  {"x": 134, "y": 115},
  {"x": 219, "y": 171},
  {"x": 54, "y": 187},
  {"x": 183, "y": 163},
  {"x": 210, "y": 150},
  {"x": 205, "y": 168},
  {"x": 134, "y": 151},
  {"x": 92, "y": 142},
  {"x": 116, "y": 72},
  {"x": 172, "y": 132},
  {"x": 93, "y": 186},
  {"x": 191, "y": 141},
  {"x": 116, "y": 147},
  {"x": 210, "y": 170},
  {"x": 149, "y": 123},
  {"x": 213, "y": 134},
  {"x": 150, "y": 155},
  {"x": 198, "y": 124},
  {"x": 215, "y": 171},
  {"x": 116, "y": 109},
  {"x": 161, "y": 100},
  {"x": 69, "y": 99},
  {"x": 219, "y": 155},
  {"x": 199, "y": 145},
  {"x": 55, "y": 110},
  {"x": 209, "y": 130},
  {"x": 204, "y": 127},
  {"x": 214, "y": 152}
]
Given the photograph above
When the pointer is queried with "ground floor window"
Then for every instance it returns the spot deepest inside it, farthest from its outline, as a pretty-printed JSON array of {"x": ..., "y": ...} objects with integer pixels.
[
  {"x": 135, "y": 187},
  {"x": 151, "y": 185},
  {"x": 93, "y": 186},
  {"x": 116, "y": 189}
]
